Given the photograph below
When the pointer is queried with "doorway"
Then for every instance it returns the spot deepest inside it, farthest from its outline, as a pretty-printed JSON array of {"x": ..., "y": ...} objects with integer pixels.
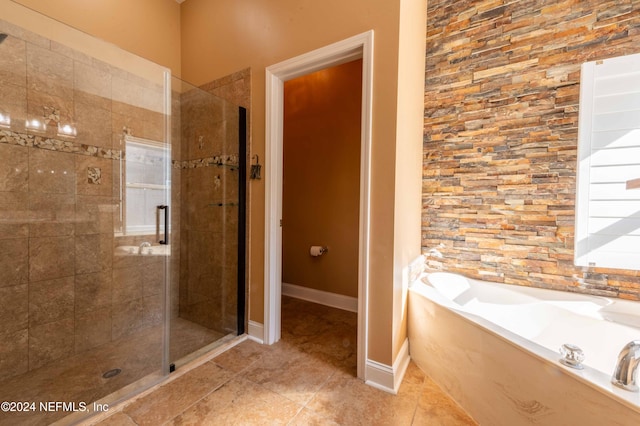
[{"x": 357, "y": 47}]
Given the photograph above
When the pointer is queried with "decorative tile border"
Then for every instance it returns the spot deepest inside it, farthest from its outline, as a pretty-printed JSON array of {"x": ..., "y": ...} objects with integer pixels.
[
  {"x": 230, "y": 160},
  {"x": 33, "y": 141}
]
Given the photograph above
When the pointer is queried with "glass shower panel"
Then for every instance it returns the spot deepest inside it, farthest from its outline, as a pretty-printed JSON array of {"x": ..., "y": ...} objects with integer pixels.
[
  {"x": 207, "y": 163},
  {"x": 82, "y": 297}
]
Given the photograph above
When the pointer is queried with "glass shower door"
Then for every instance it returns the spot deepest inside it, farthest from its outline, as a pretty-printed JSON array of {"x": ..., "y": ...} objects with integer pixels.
[
  {"x": 82, "y": 297},
  {"x": 208, "y": 195}
]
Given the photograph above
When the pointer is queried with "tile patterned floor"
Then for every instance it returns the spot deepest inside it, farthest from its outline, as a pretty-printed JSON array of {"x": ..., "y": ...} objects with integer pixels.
[
  {"x": 308, "y": 378},
  {"x": 79, "y": 378}
]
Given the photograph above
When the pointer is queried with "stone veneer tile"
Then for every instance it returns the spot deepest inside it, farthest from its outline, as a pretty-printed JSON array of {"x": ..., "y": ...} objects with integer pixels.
[
  {"x": 51, "y": 301},
  {"x": 50, "y": 342},
  {"x": 14, "y": 266},
  {"x": 51, "y": 258},
  {"x": 500, "y": 137},
  {"x": 14, "y": 353}
]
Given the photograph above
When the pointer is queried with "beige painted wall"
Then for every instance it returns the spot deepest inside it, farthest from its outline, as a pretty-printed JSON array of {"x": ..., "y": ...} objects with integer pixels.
[
  {"x": 224, "y": 36},
  {"x": 148, "y": 28},
  {"x": 321, "y": 181},
  {"x": 221, "y": 37}
]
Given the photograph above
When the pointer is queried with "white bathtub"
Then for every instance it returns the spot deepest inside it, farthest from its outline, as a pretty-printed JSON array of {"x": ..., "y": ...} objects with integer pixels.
[{"x": 494, "y": 349}]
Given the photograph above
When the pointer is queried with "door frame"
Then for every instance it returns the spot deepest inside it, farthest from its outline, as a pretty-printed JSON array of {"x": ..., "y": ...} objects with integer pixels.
[{"x": 356, "y": 47}]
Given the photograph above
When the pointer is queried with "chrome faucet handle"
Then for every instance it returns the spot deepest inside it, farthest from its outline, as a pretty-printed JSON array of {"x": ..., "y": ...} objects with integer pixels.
[
  {"x": 143, "y": 245},
  {"x": 572, "y": 356},
  {"x": 625, "y": 374}
]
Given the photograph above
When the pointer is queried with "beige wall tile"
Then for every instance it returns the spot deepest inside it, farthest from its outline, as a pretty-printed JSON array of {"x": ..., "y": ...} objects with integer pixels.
[
  {"x": 49, "y": 72},
  {"x": 86, "y": 186},
  {"x": 14, "y": 267},
  {"x": 14, "y": 169},
  {"x": 92, "y": 80},
  {"x": 93, "y": 124},
  {"x": 51, "y": 172},
  {"x": 92, "y": 291},
  {"x": 51, "y": 301},
  {"x": 93, "y": 253},
  {"x": 92, "y": 329},
  {"x": 13, "y": 101},
  {"x": 50, "y": 342},
  {"x": 127, "y": 284},
  {"x": 51, "y": 258},
  {"x": 127, "y": 317},
  {"x": 14, "y": 353},
  {"x": 13, "y": 60},
  {"x": 14, "y": 314}
]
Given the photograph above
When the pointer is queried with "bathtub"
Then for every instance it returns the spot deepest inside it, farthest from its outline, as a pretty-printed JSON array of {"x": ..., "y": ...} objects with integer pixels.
[{"x": 494, "y": 349}]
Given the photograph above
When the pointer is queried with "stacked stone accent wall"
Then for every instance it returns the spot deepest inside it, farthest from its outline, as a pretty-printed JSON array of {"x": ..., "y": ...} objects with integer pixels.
[{"x": 500, "y": 137}]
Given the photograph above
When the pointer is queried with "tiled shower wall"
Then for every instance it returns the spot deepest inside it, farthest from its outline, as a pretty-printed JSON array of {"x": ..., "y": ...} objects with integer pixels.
[
  {"x": 62, "y": 289},
  {"x": 500, "y": 137},
  {"x": 209, "y": 210}
]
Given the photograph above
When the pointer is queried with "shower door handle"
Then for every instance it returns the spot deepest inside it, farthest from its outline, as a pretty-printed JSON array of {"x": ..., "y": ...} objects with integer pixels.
[{"x": 166, "y": 224}]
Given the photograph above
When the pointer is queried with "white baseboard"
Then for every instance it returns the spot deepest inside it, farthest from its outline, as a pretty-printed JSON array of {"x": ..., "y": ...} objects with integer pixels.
[
  {"x": 388, "y": 378},
  {"x": 334, "y": 300},
  {"x": 256, "y": 332}
]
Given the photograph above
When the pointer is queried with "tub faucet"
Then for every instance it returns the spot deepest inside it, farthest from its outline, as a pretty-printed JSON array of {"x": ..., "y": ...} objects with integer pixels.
[
  {"x": 626, "y": 372},
  {"x": 143, "y": 245}
]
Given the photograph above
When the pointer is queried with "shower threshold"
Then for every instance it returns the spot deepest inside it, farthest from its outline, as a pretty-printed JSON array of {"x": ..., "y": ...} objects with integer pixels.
[{"x": 80, "y": 378}]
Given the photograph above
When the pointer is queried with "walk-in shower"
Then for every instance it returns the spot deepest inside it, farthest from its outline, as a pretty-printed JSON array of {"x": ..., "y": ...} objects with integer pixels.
[{"x": 122, "y": 212}]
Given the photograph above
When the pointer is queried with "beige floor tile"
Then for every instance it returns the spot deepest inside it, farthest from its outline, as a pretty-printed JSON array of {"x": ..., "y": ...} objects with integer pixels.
[
  {"x": 241, "y": 356},
  {"x": 307, "y": 378},
  {"x": 349, "y": 401},
  {"x": 173, "y": 398},
  {"x": 308, "y": 418},
  {"x": 118, "y": 419},
  {"x": 240, "y": 402},
  {"x": 292, "y": 374},
  {"x": 438, "y": 409}
]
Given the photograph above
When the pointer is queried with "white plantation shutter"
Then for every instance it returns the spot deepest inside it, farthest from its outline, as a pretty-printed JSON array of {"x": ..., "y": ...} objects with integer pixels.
[{"x": 608, "y": 187}]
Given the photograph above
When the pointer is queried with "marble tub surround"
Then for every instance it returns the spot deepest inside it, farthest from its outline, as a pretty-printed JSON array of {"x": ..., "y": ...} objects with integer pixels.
[{"x": 306, "y": 378}]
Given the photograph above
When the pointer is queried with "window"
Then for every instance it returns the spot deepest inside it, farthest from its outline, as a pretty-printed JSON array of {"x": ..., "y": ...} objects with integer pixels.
[
  {"x": 608, "y": 187},
  {"x": 146, "y": 185}
]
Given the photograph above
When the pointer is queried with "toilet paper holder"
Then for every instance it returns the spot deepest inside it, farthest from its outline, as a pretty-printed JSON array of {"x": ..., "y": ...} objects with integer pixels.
[{"x": 318, "y": 250}]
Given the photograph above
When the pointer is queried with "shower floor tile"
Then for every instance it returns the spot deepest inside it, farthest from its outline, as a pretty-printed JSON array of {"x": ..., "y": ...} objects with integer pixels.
[
  {"x": 308, "y": 377},
  {"x": 80, "y": 378}
]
